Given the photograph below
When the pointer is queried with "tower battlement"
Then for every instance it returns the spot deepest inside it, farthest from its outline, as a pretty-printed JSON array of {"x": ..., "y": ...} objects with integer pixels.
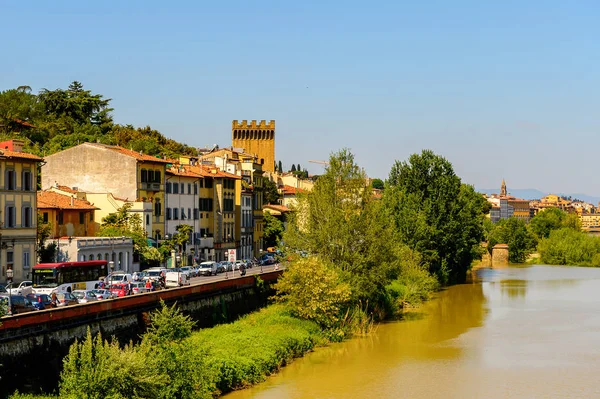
[
  {"x": 257, "y": 138},
  {"x": 253, "y": 124}
]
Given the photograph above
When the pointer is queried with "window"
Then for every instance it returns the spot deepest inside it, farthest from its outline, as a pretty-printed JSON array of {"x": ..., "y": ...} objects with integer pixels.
[
  {"x": 26, "y": 260},
  {"x": 10, "y": 259},
  {"x": 196, "y": 188},
  {"x": 168, "y": 187},
  {"x": 168, "y": 213},
  {"x": 81, "y": 217},
  {"x": 196, "y": 213},
  {"x": 147, "y": 220},
  {"x": 26, "y": 180},
  {"x": 60, "y": 217},
  {"x": 209, "y": 183},
  {"x": 26, "y": 222},
  {"x": 175, "y": 188},
  {"x": 189, "y": 188},
  {"x": 156, "y": 176},
  {"x": 11, "y": 180},
  {"x": 144, "y": 175},
  {"x": 45, "y": 216},
  {"x": 182, "y": 188},
  {"x": 91, "y": 256},
  {"x": 157, "y": 207},
  {"x": 10, "y": 219},
  {"x": 182, "y": 214},
  {"x": 201, "y": 183},
  {"x": 175, "y": 213},
  {"x": 189, "y": 214}
]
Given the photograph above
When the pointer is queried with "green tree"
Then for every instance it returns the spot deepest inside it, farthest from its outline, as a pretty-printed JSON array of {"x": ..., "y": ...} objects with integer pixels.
[
  {"x": 513, "y": 232},
  {"x": 566, "y": 246},
  {"x": 182, "y": 237},
  {"x": 270, "y": 193},
  {"x": 279, "y": 166},
  {"x": 125, "y": 224},
  {"x": 272, "y": 230},
  {"x": 293, "y": 168},
  {"x": 551, "y": 219},
  {"x": 314, "y": 291},
  {"x": 377, "y": 183},
  {"x": 435, "y": 214}
]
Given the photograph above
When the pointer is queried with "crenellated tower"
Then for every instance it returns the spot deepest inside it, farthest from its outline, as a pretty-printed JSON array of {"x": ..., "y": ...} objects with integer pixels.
[{"x": 257, "y": 139}]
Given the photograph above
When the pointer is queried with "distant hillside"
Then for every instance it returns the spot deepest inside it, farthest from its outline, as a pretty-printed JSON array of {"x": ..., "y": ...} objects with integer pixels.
[{"x": 532, "y": 193}]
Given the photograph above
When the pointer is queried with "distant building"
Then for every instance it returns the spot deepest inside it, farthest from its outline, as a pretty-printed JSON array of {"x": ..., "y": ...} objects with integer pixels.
[
  {"x": 256, "y": 139},
  {"x": 67, "y": 215},
  {"x": 505, "y": 206}
]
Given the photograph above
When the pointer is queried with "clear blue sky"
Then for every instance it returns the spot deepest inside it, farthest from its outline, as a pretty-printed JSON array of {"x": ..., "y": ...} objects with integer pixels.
[{"x": 503, "y": 89}]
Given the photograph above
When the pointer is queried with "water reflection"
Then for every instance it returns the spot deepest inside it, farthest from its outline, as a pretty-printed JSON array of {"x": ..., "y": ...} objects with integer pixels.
[{"x": 521, "y": 333}]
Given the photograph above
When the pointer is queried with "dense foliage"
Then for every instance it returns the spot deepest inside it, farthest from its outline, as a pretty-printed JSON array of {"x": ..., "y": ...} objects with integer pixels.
[
  {"x": 567, "y": 246},
  {"x": 551, "y": 219},
  {"x": 272, "y": 230},
  {"x": 54, "y": 120},
  {"x": 513, "y": 232},
  {"x": 435, "y": 214}
]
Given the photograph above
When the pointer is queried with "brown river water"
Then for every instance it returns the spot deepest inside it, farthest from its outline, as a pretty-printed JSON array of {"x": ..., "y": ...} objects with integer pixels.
[{"x": 520, "y": 332}]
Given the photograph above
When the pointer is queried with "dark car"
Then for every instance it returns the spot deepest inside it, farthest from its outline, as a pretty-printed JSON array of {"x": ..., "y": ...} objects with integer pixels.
[
  {"x": 40, "y": 301},
  {"x": 17, "y": 304}
]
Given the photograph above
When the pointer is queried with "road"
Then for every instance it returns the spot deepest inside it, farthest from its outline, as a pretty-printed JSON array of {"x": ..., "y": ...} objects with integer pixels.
[{"x": 257, "y": 270}]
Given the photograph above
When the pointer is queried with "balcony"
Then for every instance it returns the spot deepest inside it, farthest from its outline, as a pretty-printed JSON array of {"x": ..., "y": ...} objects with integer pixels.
[{"x": 151, "y": 186}]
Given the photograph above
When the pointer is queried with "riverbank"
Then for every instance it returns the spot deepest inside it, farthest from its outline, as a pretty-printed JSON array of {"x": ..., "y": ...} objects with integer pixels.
[{"x": 241, "y": 353}]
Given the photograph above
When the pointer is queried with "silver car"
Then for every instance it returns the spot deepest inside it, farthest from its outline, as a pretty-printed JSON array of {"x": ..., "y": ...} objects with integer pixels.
[{"x": 85, "y": 296}]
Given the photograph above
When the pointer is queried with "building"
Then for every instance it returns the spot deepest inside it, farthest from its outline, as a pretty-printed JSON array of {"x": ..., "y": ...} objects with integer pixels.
[
  {"x": 67, "y": 215},
  {"x": 289, "y": 195},
  {"x": 18, "y": 201},
  {"x": 250, "y": 169},
  {"x": 118, "y": 250},
  {"x": 100, "y": 168},
  {"x": 182, "y": 199},
  {"x": 257, "y": 139},
  {"x": 505, "y": 206}
]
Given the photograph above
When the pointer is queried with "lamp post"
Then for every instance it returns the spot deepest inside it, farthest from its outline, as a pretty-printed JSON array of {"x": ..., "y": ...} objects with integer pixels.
[{"x": 260, "y": 251}]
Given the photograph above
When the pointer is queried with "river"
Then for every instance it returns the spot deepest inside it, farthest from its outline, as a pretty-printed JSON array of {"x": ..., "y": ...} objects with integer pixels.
[{"x": 520, "y": 332}]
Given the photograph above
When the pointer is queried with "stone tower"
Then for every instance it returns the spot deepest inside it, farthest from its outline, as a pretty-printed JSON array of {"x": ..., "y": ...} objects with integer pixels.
[
  {"x": 257, "y": 139},
  {"x": 503, "y": 188}
]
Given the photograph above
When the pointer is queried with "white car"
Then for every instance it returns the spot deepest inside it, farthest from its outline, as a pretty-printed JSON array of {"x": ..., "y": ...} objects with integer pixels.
[
  {"x": 24, "y": 288},
  {"x": 103, "y": 294}
]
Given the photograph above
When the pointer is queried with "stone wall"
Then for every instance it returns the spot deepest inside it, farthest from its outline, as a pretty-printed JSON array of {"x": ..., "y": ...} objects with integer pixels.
[{"x": 33, "y": 345}]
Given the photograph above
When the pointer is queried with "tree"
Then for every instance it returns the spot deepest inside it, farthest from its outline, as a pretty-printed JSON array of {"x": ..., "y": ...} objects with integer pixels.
[
  {"x": 280, "y": 167},
  {"x": 46, "y": 253},
  {"x": 314, "y": 291},
  {"x": 272, "y": 230},
  {"x": 551, "y": 219},
  {"x": 182, "y": 237},
  {"x": 125, "y": 224},
  {"x": 513, "y": 232},
  {"x": 293, "y": 168},
  {"x": 377, "y": 183},
  {"x": 270, "y": 193},
  {"x": 435, "y": 214}
]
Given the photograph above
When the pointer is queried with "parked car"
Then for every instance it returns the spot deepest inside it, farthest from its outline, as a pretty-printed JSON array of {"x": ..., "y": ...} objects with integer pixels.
[
  {"x": 40, "y": 301},
  {"x": 120, "y": 278},
  {"x": 221, "y": 267},
  {"x": 138, "y": 287},
  {"x": 249, "y": 263},
  {"x": 119, "y": 289},
  {"x": 17, "y": 304},
  {"x": 187, "y": 270},
  {"x": 176, "y": 279},
  {"x": 24, "y": 288},
  {"x": 208, "y": 268},
  {"x": 2, "y": 288},
  {"x": 103, "y": 294},
  {"x": 85, "y": 296},
  {"x": 154, "y": 273},
  {"x": 66, "y": 299}
]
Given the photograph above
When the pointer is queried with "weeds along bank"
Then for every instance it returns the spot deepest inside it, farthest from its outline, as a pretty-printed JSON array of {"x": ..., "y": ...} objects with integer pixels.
[{"x": 174, "y": 362}]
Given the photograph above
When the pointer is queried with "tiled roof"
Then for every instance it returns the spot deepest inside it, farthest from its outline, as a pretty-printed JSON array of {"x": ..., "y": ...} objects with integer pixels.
[
  {"x": 275, "y": 207},
  {"x": 291, "y": 190},
  {"x": 67, "y": 189},
  {"x": 52, "y": 200},
  {"x": 134, "y": 154},
  {"x": 185, "y": 171},
  {"x": 23, "y": 155}
]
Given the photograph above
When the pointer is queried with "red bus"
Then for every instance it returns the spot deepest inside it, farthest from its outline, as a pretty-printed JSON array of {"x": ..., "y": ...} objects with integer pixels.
[{"x": 67, "y": 276}]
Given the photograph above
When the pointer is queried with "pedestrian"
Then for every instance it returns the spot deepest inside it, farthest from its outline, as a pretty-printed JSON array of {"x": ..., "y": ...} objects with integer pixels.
[
  {"x": 53, "y": 300},
  {"x": 149, "y": 285}
]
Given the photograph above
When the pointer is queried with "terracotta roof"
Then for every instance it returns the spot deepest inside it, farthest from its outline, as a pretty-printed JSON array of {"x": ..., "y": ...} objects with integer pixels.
[
  {"x": 52, "y": 200},
  {"x": 186, "y": 172},
  {"x": 291, "y": 190},
  {"x": 134, "y": 154},
  {"x": 15, "y": 154},
  {"x": 275, "y": 207},
  {"x": 67, "y": 189},
  {"x": 23, "y": 123}
]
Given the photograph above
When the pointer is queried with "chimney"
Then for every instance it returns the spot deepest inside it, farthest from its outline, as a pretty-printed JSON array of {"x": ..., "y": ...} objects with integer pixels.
[{"x": 72, "y": 201}]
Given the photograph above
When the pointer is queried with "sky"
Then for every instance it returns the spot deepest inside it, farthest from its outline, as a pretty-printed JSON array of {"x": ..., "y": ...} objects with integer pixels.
[{"x": 502, "y": 89}]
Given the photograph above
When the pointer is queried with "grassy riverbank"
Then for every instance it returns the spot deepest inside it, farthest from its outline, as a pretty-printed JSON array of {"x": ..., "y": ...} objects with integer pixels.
[{"x": 206, "y": 364}]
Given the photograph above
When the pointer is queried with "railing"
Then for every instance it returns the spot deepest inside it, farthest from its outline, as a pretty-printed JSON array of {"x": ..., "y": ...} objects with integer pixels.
[{"x": 103, "y": 241}]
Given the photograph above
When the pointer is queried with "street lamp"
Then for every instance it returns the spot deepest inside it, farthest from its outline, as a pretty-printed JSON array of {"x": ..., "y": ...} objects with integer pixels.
[{"x": 260, "y": 251}]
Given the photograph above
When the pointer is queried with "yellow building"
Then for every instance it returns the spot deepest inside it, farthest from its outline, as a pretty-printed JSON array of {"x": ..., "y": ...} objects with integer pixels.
[
  {"x": 67, "y": 215},
  {"x": 589, "y": 220},
  {"x": 521, "y": 209},
  {"x": 100, "y": 168},
  {"x": 18, "y": 203},
  {"x": 256, "y": 139}
]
